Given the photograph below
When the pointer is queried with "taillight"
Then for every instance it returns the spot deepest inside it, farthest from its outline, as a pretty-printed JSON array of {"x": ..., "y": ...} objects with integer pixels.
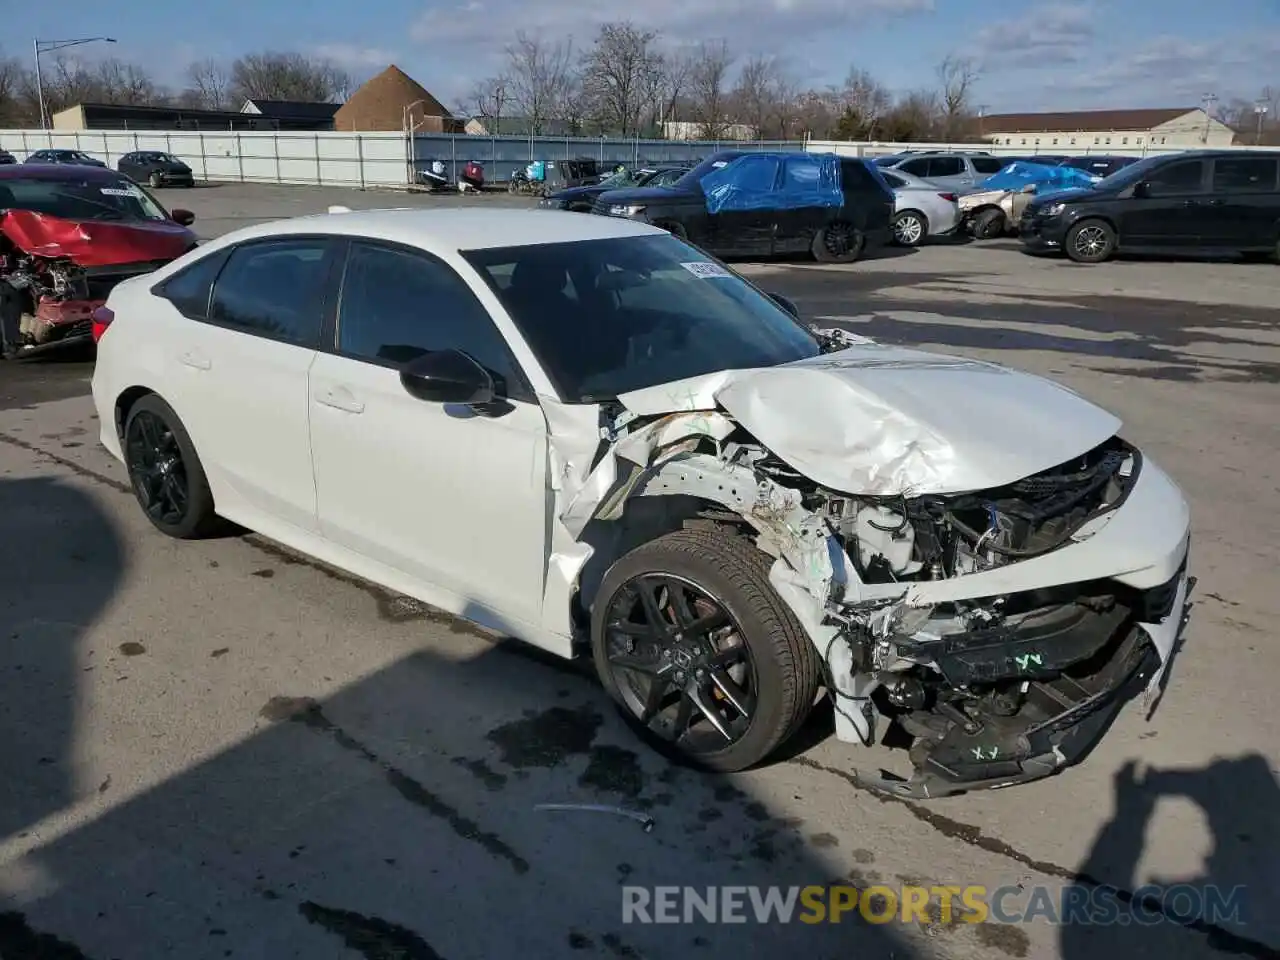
[
  {"x": 949, "y": 197},
  {"x": 102, "y": 318}
]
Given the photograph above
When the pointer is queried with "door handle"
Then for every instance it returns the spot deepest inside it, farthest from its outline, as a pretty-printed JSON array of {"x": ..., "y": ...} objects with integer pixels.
[
  {"x": 340, "y": 399},
  {"x": 1215, "y": 203},
  {"x": 1191, "y": 203},
  {"x": 195, "y": 361}
]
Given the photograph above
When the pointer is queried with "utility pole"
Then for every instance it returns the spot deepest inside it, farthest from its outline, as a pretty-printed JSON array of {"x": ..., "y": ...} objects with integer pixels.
[
  {"x": 1209, "y": 100},
  {"x": 1260, "y": 108},
  {"x": 45, "y": 46}
]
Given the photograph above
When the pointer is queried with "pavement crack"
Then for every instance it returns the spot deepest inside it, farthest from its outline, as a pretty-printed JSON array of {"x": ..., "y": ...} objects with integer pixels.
[
  {"x": 372, "y": 937},
  {"x": 76, "y": 468},
  {"x": 307, "y": 712},
  {"x": 1220, "y": 939}
]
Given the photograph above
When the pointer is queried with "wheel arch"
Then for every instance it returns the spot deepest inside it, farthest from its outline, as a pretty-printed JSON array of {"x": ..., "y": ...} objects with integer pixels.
[{"x": 125, "y": 402}]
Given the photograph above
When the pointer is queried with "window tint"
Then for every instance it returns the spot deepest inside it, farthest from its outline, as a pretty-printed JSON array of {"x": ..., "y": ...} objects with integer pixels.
[
  {"x": 1245, "y": 174},
  {"x": 274, "y": 289},
  {"x": 946, "y": 167},
  {"x": 755, "y": 174},
  {"x": 397, "y": 306},
  {"x": 917, "y": 168},
  {"x": 854, "y": 175},
  {"x": 991, "y": 165},
  {"x": 1177, "y": 178},
  {"x": 894, "y": 180},
  {"x": 188, "y": 290}
]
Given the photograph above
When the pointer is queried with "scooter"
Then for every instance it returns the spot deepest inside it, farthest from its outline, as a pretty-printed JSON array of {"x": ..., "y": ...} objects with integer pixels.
[
  {"x": 434, "y": 177},
  {"x": 472, "y": 178}
]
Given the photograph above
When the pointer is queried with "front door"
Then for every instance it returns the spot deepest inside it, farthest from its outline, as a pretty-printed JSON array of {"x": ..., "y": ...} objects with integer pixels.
[
  {"x": 446, "y": 496},
  {"x": 1173, "y": 213},
  {"x": 1244, "y": 203},
  {"x": 742, "y": 206},
  {"x": 237, "y": 373}
]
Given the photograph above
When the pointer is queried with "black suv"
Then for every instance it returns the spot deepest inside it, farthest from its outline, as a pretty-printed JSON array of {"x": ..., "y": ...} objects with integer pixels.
[
  {"x": 156, "y": 168},
  {"x": 1201, "y": 201},
  {"x": 778, "y": 206}
]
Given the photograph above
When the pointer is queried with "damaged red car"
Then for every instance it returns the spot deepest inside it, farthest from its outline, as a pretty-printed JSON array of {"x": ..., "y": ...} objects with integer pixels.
[{"x": 67, "y": 236}]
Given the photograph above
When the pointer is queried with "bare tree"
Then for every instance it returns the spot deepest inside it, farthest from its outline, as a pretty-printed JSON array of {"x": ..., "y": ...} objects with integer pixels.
[
  {"x": 956, "y": 79},
  {"x": 708, "y": 88},
  {"x": 208, "y": 86},
  {"x": 537, "y": 75},
  {"x": 125, "y": 83},
  {"x": 914, "y": 118},
  {"x": 13, "y": 103},
  {"x": 864, "y": 104},
  {"x": 670, "y": 85},
  {"x": 620, "y": 72},
  {"x": 274, "y": 75},
  {"x": 759, "y": 93},
  {"x": 487, "y": 99}
]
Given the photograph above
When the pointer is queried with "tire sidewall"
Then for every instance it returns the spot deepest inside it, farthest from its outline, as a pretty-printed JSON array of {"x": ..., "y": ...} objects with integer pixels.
[
  {"x": 984, "y": 227},
  {"x": 910, "y": 215},
  {"x": 199, "y": 501},
  {"x": 1069, "y": 242},
  {"x": 770, "y": 703}
]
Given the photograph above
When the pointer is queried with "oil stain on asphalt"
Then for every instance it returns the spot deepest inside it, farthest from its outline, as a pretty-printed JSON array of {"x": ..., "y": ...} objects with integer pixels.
[{"x": 371, "y": 937}]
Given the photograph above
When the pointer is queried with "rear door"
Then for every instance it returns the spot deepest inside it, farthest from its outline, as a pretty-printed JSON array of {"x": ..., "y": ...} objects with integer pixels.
[
  {"x": 1244, "y": 202},
  {"x": 745, "y": 225},
  {"x": 1174, "y": 213},
  {"x": 797, "y": 225}
]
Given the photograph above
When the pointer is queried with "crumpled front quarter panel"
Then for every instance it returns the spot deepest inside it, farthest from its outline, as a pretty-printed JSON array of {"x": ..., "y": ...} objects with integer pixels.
[{"x": 94, "y": 244}]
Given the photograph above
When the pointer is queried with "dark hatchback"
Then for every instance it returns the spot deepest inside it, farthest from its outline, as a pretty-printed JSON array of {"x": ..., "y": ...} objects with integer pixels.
[
  {"x": 581, "y": 199},
  {"x": 765, "y": 219},
  {"x": 156, "y": 168},
  {"x": 1201, "y": 202}
]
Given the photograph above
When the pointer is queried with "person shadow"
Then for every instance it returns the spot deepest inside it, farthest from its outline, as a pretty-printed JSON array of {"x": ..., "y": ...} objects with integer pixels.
[{"x": 1228, "y": 908}]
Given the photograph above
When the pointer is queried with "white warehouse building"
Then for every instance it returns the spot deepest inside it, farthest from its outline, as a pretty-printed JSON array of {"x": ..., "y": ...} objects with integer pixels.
[{"x": 1102, "y": 131}]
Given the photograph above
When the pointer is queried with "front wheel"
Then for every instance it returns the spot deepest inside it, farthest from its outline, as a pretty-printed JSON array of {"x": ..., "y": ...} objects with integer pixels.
[
  {"x": 838, "y": 243},
  {"x": 989, "y": 224},
  {"x": 156, "y": 180},
  {"x": 1090, "y": 241},
  {"x": 703, "y": 658},
  {"x": 165, "y": 472}
]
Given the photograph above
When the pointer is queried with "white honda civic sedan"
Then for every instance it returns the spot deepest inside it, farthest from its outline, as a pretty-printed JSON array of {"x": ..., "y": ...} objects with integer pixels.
[{"x": 586, "y": 434}]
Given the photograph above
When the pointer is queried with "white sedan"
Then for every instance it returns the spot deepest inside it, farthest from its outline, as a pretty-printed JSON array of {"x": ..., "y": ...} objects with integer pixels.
[
  {"x": 921, "y": 209},
  {"x": 587, "y": 434}
]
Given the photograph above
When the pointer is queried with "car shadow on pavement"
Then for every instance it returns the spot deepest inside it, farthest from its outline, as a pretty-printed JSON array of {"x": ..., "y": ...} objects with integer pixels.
[
  {"x": 400, "y": 816},
  {"x": 1232, "y": 901},
  {"x": 62, "y": 562}
]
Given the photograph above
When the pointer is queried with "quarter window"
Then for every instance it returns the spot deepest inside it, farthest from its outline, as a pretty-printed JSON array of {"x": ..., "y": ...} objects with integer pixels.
[
  {"x": 988, "y": 164},
  {"x": 188, "y": 290},
  {"x": 274, "y": 289},
  {"x": 1245, "y": 174},
  {"x": 397, "y": 306}
]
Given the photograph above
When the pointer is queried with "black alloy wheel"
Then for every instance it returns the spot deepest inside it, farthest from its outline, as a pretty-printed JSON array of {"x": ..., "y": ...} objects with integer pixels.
[
  {"x": 838, "y": 243},
  {"x": 165, "y": 473},
  {"x": 680, "y": 663}
]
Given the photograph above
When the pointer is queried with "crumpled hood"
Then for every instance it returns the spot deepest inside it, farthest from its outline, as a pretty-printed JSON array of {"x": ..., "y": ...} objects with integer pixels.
[
  {"x": 881, "y": 420},
  {"x": 95, "y": 243}
]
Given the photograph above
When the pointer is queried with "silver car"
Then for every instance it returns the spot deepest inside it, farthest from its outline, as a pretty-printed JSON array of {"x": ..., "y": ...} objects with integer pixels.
[
  {"x": 958, "y": 171},
  {"x": 921, "y": 209}
]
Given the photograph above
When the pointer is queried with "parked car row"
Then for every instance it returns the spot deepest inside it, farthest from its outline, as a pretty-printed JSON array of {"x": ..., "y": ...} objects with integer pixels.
[{"x": 153, "y": 167}]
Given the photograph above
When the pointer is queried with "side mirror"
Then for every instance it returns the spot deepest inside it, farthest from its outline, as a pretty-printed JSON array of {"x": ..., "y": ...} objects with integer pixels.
[
  {"x": 448, "y": 376},
  {"x": 786, "y": 303},
  {"x": 183, "y": 217},
  {"x": 1142, "y": 190}
]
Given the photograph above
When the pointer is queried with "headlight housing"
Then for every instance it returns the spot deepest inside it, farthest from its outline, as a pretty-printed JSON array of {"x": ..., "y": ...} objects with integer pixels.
[
  {"x": 625, "y": 210},
  {"x": 1053, "y": 209}
]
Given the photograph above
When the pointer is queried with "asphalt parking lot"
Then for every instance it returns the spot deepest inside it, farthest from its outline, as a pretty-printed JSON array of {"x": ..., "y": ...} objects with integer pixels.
[{"x": 215, "y": 750}]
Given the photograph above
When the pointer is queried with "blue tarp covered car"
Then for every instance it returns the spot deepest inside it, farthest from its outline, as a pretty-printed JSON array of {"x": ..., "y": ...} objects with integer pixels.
[
  {"x": 993, "y": 206},
  {"x": 1020, "y": 174}
]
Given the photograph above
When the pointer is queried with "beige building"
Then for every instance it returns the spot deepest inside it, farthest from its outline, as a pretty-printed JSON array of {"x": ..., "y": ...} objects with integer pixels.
[
  {"x": 1096, "y": 131},
  {"x": 686, "y": 130}
]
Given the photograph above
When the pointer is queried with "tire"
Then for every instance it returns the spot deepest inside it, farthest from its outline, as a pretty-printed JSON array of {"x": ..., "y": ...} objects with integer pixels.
[
  {"x": 838, "y": 242},
  {"x": 782, "y": 663},
  {"x": 910, "y": 228},
  {"x": 197, "y": 518},
  {"x": 156, "y": 181},
  {"x": 11, "y": 308},
  {"x": 1090, "y": 241},
  {"x": 988, "y": 225},
  {"x": 513, "y": 187}
]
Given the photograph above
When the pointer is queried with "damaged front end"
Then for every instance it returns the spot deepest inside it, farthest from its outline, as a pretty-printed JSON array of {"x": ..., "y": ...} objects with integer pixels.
[{"x": 999, "y": 627}]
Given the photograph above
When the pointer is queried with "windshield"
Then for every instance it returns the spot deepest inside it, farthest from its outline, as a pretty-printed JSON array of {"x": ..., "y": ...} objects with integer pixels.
[
  {"x": 714, "y": 162},
  {"x": 605, "y": 317},
  {"x": 81, "y": 199},
  {"x": 1128, "y": 174}
]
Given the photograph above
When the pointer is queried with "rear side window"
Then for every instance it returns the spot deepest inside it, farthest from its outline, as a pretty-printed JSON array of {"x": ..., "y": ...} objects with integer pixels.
[
  {"x": 1245, "y": 174},
  {"x": 856, "y": 176},
  {"x": 188, "y": 290},
  {"x": 988, "y": 165},
  {"x": 274, "y": 289}
]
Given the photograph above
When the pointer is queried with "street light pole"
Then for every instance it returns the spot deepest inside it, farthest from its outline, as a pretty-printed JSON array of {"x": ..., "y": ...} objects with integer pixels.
[
  {"x": 45, "y": 46},
  {"x": 1260, "y": 108},
  {"x": 1209, "y": 100}
]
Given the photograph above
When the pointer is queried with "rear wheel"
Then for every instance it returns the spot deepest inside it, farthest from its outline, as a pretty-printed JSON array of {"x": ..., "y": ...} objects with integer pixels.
[
  {"x": 1090, "y": 241},
  {"x": 703, "y": 658},
  {"x": 838, "y": 242},
  {"x": 165, "y": 472},
  {"x": 910, "y": 228},
  {"x": 156, "y": 180}
]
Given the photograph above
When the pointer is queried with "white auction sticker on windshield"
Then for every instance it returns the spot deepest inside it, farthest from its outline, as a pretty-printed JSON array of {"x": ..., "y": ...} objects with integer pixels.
[
  {"x": 119, "y": 192},
  {"x": 706, "y": 271}
]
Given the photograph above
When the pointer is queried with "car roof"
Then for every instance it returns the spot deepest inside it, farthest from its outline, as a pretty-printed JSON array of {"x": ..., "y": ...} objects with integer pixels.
[
  {"x": 54, "y": 171},
  {"x": 447, "y": 231}
]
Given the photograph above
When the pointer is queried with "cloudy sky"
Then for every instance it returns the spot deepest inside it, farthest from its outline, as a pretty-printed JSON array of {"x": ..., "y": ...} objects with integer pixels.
[{"x": 1073, "y": 54}]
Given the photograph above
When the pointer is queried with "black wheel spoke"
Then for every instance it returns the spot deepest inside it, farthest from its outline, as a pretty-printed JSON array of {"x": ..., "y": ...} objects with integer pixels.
[
  {"x": 738, "y": 698},
  {"x": 706, "y": 706},
  {"x": 654, "y": 697},
  {"x": 156, "y": 468},
  {"x": 684, "y": 716},
  {"x": 648, "y": 590},
  {"x": 627, "y": 661},
  {"x": 705, "y": 624}
]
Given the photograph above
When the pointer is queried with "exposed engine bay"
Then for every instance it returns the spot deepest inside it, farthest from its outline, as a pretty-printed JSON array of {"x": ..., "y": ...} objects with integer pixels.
[{"x": 994, "y": 631}]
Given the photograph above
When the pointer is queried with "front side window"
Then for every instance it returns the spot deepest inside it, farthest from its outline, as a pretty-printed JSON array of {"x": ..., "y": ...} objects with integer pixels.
[
  {"x": 917, "y": 168},
  {"x": 274, "y": 289},
  {"x": 605, "y": 317},
  {"x": 946, "y": 167},
  {"x": 1177, "y": 178},
  {"x": 398, "y": 305}
]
